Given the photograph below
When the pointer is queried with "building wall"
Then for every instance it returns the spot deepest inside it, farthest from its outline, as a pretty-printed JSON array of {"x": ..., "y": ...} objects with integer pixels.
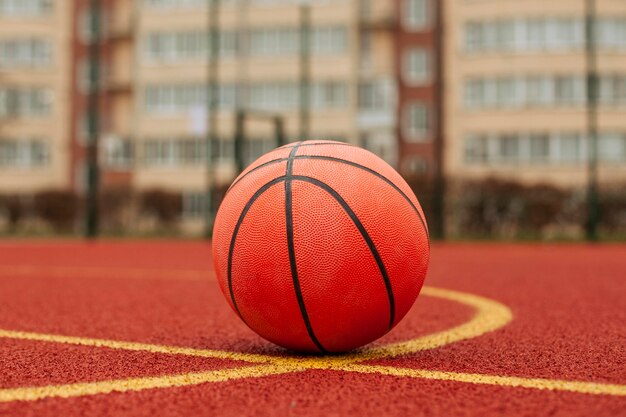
[
  {"x": 417, "y": 152},
  {"x": 53, "y": 25},
  {"x": 115, "y": 93},
  {"x": 513, "y": 115},
  {"x": 349, "y": 67}
]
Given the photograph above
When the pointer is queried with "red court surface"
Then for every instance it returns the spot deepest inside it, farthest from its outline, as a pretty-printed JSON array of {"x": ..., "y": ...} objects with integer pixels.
[{"x": 135, "y": 329}]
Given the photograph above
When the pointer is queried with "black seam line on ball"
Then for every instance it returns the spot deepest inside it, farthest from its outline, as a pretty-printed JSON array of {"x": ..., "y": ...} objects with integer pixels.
[
  {"x": 292, "y": 249},
  {"x": 316, "y": 144},
  {"x": 364, "y": 234},
  {"x": 371, "y": 171},
  {"x": 263, "y": 165},
  {"x": 233, "y": 240},
  {"x": 343, "y": 161}
]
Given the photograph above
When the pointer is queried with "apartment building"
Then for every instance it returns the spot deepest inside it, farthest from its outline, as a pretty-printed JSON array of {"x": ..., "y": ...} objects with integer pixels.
[
  {"x": 516, "y": 90},
  {"x": 114, "y": 88},
  {"x": 353, "y": 88},
  {"x": 153, "y": 92},
  {"x": 418, "y": 70},
  {"x": 34, "y": 94}
]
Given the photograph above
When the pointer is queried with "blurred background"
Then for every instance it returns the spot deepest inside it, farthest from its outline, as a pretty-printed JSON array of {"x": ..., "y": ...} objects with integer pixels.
[{"x": 131, "y": 118}]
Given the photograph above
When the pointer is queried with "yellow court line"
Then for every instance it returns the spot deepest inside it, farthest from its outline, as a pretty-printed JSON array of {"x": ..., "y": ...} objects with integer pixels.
[
  {"x": 134, "y": 346},
  {"x": 581, "y": 387},
  {"x": 490, "y": 315},
  {"x": 137, "y": 384}
]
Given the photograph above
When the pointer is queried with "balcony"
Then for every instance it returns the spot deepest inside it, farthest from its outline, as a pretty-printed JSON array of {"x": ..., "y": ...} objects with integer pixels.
[
  {"x": 377, "y": 15},
  {"x": 121, "y": 23},
  {"x": 120, "y": 81},
  {"x": 378, "y": 23},
  {"x": 376, "y": 118}
]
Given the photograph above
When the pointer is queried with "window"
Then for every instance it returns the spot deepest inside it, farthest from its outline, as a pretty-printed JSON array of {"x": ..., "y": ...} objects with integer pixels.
[
  {"x": 474, "y": 38},
  {"x": 607, "y": 32},
  {"x": 538, "y": 91},
  {"x": 612, "y": 90},
  {"x": 539, "y": 148},
  {"x": 223, "y": 150},
  {"x": 416, "y": 122},
  {"x": 84, "y": 75},
  {"x": 474, "y": 94},
  {"x": 506, "y": 92},
  {"x": 181, "y": 47},
  {"x": 175, "y": 4},
  {"x": 365, "y": 49},
  {"x": 25, "y": 8},
  {"x": 414, "y": 165},
  {"x": 25, "y": 53},
  {"x": 416, "y": 14},
  {"x": 382, "y": 143},
  {"x": 118, "y": 152},
  {"x": 417, "y": 66},
  {"x": 80, "y": 176},
  {"x": 25, "y": 102},
  {"x": 570, "y": 145},
  {"x": 174, "y": 152},
  {"x": 476, "y": 150},
  {"x": 23, "y": 153},
  {"x": 509, "y": 148},
  {"x": 535, "y": 34},
  {"x": 376, "y": 94},
  {"x": 273, "y": 96},
  {"x": 612, "y": 147},
  {"x": 274, "y": 42},
  {"x": 505, "y": 35},
  {"x": 175, "y": 99},
  {"x": 330, "y": 40},
  {"x": 194, "y": 204},
  {"x": 565, "y": 90},
  {"x": 87, "y": 25},
  {"x": 326, "y": 95}
]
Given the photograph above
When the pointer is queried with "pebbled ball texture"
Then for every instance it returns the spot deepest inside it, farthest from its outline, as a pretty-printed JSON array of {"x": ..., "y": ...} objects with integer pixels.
[{"x": 320, "y": 246}]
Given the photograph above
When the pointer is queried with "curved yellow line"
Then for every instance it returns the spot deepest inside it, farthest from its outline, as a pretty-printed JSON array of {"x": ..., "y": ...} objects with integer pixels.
[
  {"x": 580, "y": 387},
  {"x": 490, "y": 315},
  {"x": 135, "y": 384}
]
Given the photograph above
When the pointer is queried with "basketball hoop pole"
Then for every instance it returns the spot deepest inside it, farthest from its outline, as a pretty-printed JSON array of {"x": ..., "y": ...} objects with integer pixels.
[
  {"x": 93, "y": 99},
  {"x": 305, "y": 69},
  {"x": 591, "y": 228},
  {"x": 213, "y": 107}
]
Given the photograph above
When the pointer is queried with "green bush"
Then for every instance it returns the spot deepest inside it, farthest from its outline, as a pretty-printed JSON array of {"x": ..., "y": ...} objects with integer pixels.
[
  {"x": 14, "y": 207},
  {"x": 613, "y": 208},
  {"x": 59, "y": 208},
  {"x": 115, "y": 204},
  {"x": 166, "y": 206}
]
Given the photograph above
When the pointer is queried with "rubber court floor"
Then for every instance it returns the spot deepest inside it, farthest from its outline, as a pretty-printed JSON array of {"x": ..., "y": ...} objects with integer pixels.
[{"x": 141, "y": 328}]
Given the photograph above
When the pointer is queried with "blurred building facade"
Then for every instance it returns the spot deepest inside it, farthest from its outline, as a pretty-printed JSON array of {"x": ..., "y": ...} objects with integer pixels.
[
  {"x": 153, "y": 90},
  {"x": 515, "y": 102},
  {"x": 35, "y": 82},
  {"x": 458, "y": 88}
]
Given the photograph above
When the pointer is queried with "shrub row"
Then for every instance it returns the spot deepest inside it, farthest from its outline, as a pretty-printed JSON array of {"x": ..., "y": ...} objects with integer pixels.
[
  {"x": 62, "y": 210},
  {"x": 487, "y": 208},
  {"x": 500, "y": 208}
]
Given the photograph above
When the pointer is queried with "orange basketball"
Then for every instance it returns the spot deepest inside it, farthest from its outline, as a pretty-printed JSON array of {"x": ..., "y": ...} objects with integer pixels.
[{"x": 320, "y": 246}]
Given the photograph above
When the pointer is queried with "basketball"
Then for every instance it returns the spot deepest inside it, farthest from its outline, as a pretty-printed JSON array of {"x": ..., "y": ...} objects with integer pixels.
[{"x": 320, "y": 246}]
